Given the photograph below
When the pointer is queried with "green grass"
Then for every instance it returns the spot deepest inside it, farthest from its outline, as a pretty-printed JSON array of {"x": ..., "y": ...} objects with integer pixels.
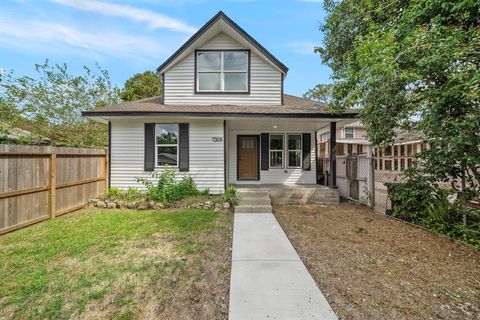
[{"x": 60, "y": 268}]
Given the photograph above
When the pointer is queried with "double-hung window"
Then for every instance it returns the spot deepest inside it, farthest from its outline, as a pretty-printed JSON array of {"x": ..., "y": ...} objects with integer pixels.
[
  {"x": 349, "y": 132},
  {"x": 222, "y": 71},
  {"x": 294, "y": 143},
  {"x": 276, "y": 150},
  {"x": 166, "y": 144}
]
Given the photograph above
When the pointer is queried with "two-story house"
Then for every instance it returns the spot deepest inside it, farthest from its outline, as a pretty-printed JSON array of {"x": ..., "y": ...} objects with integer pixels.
[{"x": 223, "y": 118}]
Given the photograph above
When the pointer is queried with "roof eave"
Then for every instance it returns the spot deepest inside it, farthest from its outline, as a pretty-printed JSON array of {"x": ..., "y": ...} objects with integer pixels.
[{"x": 221, "y": 114}]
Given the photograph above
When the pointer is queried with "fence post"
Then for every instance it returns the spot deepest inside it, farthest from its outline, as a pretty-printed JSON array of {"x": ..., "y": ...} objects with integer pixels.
[
  {"x": 105, "y": 170},
  {"x": 371, "y": 177},
  {"x": 52, "y": 185}
]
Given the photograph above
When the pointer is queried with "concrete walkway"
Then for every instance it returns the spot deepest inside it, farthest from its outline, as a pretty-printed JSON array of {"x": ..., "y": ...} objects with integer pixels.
[{"x": 268, "y": 280}]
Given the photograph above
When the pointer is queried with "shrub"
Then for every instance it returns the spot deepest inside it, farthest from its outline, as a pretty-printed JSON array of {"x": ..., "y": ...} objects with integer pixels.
[
  {"x": 168, "y": 189},
  {"x": 119, "y": 194},
  {"x": 410, "y": 198},
  {"x": 230, "y": 195}
]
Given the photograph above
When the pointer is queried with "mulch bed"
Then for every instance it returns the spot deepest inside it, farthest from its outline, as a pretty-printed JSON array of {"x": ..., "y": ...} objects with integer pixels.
[{"x": 371, "y": 267}]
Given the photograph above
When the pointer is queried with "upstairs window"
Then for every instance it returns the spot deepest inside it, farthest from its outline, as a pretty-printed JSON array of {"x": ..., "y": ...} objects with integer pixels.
[
  {"x": 222, "y": 71},
  {"x": 349, "y": 133}
]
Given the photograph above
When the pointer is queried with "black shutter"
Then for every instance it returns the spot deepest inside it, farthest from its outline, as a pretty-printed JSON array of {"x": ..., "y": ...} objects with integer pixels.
[
  {"x": 149, "y": 161},
  {"x": 307, "y": 146},
  {"x": 264, "y": 151},
  {"x": 183, "y": 142}
]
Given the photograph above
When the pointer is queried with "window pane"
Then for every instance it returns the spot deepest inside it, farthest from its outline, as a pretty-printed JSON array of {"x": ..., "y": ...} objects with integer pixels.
[
  {"x": 167, "y": 156},
  {"x": 237, "y": 61},
  {"x": 166, "y": 133},
  {"x": 209, "y": 81},
  {"x": 276, "y": 142},
  {"x": 235, "y": 81},
  {"x": 276, "y": 159},
  {"x": 209, "y": 61},
  {"x": 294, "y": 158},
  {"x": 294, "y": 142},
  {"x": 349, "y": 133}
]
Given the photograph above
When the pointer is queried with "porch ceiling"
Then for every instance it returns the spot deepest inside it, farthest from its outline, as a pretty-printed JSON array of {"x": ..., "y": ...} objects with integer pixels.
[{"x": 282, "y": 125}]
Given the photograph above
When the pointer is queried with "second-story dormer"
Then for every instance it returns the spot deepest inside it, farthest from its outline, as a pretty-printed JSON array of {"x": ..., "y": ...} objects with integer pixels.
[{"x": 221, "y": 64}]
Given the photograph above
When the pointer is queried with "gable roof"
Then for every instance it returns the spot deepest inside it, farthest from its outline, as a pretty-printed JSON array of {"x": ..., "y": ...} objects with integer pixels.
[
  {"x": 293, "y": 107},
  {"x": 220, "y": 16}
]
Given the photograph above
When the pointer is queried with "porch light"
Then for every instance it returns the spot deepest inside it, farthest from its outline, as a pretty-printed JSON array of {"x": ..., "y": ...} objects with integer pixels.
[{"x": 275, "y": 127}]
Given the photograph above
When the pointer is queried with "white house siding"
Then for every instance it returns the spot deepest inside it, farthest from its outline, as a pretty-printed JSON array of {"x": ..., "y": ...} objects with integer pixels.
[
  {"x": 206, "y": 157},
  {"x": 272, "y": 176},
  {"x": 265, "y": 81}
]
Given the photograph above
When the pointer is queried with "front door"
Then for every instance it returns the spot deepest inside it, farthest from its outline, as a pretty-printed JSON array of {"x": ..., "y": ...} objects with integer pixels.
[{"x": 247, "y": 153}]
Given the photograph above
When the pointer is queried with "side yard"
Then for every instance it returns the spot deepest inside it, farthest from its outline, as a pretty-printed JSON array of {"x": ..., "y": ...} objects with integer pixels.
[
  {"x": 372, "y": 267},
  {"x": 121, "y": 264}
]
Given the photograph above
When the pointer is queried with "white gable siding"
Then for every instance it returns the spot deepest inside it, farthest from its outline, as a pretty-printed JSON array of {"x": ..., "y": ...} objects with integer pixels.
[
  {"x": 206, "y": 157},
  {"x": 265, "y": 80}
]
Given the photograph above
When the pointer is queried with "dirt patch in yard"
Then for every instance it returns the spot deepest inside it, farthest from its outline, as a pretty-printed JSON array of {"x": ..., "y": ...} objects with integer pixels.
[{"x": 371, "y": 267}]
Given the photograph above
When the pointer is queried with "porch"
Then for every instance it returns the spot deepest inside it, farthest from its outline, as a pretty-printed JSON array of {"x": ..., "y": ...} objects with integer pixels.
[
  {"x": 294, "y": 194},
  {"x": 279, "y": 155}
]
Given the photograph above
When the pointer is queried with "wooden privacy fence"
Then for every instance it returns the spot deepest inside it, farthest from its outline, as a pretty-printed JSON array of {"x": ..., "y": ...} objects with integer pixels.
[{"x": 39, "y": 183}]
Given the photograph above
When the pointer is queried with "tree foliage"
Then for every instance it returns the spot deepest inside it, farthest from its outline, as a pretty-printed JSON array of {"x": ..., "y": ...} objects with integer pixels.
[
  {"x": 142, "y": 85},
  {"x": 50, "y": 104},
  {"x": 411, "y": 65},
  {"x": 321, "y": 93}
]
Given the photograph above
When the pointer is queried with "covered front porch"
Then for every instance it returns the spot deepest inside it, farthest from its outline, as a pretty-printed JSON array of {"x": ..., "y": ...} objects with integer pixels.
[{"x": 279, "y": 154}]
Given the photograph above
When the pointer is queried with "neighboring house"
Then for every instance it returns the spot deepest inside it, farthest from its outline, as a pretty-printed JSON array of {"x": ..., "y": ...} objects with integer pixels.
[
  {"x": 363, "y": 169},
  {"x": 17, "y": 135},
  {"x": 223, "y": 118}
]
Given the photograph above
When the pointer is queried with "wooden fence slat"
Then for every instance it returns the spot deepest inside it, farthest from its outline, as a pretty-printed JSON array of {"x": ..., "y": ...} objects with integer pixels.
[{"x": 53, "y": 188}]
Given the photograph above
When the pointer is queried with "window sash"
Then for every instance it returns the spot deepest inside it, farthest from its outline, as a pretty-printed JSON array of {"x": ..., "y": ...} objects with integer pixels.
[
  {"x": 349, "y": 133},
  {"x": 157, "y": 145},
  {"x": 299, "y": 150},
  {"x": 222, "y": 73},
  {"x": 275, "y": 151}
]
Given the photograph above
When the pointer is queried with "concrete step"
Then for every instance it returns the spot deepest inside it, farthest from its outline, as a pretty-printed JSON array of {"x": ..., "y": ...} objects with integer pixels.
[
  {"x": 253, "y": 209},
  {"x": 252, "y": 194},
  {"x": 255, "y": 201}
]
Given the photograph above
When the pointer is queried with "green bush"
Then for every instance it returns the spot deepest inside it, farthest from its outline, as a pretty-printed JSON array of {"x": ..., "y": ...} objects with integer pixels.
[
  {"x": 410, "y": 198},
  {"x": 416, "y": 200},
  {"x": 230, "y": 195},
  {"x": 168, "y": 189},
  {"x": 119, "y": 194}
]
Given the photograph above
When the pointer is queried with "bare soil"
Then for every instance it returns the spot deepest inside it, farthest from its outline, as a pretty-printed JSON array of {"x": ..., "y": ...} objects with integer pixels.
[{"x": 369, "y": 266}]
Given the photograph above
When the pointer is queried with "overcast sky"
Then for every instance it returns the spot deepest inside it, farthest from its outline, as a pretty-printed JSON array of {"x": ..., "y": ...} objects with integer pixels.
[{"x": 126, "y": 36}]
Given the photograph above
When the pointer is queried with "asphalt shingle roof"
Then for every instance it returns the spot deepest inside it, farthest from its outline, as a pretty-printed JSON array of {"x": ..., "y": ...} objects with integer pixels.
[{"x": 293, "y": 106}]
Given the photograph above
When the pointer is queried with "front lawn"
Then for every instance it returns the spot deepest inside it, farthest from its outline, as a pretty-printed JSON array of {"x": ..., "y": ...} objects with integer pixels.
[
  {"x": 372, "y": 267},
  {"x": 122, "y": 264}
]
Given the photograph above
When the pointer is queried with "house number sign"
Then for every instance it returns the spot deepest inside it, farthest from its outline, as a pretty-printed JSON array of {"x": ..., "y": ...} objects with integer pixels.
[{"x": 217, "y": 139}]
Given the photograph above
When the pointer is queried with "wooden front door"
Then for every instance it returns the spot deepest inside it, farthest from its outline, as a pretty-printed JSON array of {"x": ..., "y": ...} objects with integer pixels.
[{"x": 247, "y": 154}]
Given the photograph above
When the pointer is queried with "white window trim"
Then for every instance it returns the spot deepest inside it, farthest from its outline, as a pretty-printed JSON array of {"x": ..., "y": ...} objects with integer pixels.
[
  {"x": 288, "y": 150},
  {"x": 270, "y": 151},
  {"x": 222, "y": 72},
  {"x": 345, "y": 134},
  {"x": 167, "y": 145}
]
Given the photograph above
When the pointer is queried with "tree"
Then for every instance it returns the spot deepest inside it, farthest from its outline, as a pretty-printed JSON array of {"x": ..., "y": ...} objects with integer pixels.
[
  {"x": 411, "y": 65},
  {"x": 141, "y": 85},
  {"x": 51, "y": 104},
  {"x": 321, "y": 93}
]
